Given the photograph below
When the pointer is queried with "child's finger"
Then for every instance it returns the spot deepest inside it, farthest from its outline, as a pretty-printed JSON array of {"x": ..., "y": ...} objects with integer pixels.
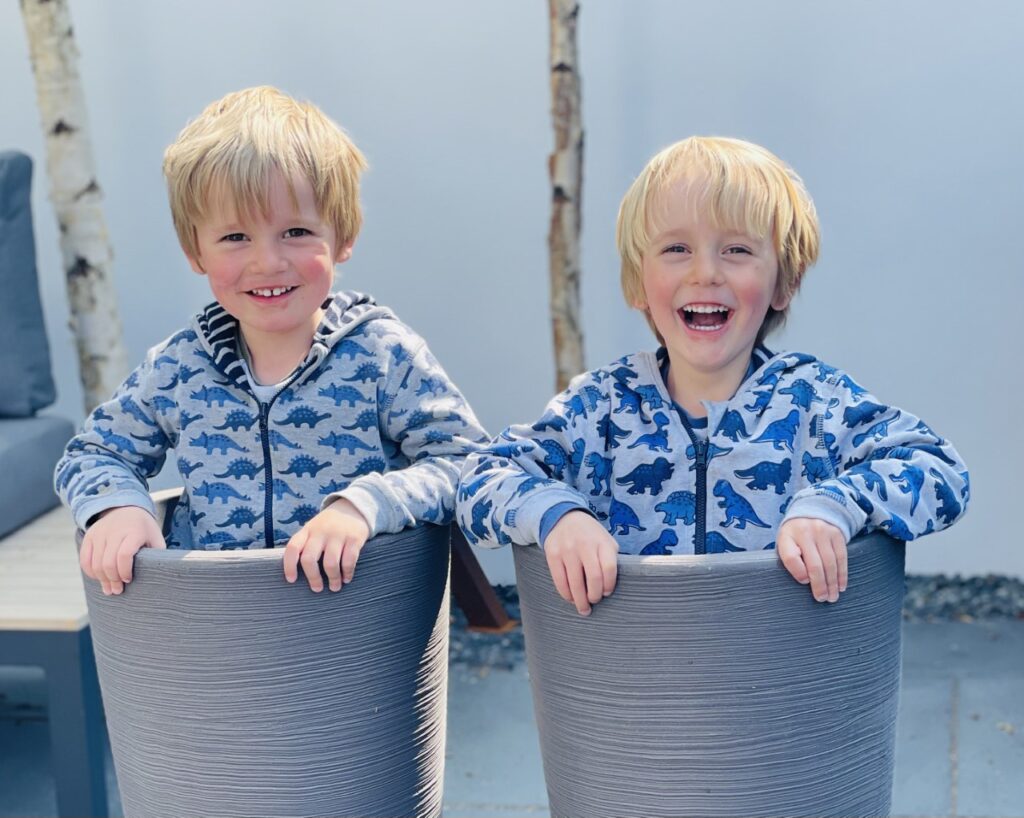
[
  {"x": 609, "y": 567},
  {"x": 593, "y": 576},
  {"x": 349, "y": 557},
  {"x": 830, "y": 569},
  {"x": 839, "y": 542},
  {"x": 332, "y": 563},
  {"x": 789, "y": 554},
  {"x": 815, "y": 572},
  {"x": 123, "y": 559},
  {"x": 292, "y": 552},
  {"x": 85, "y": 557},
  {"x": 105, "y": 587},
  {"x": 578, "y": 587},
  {"x": 116, "y": 587},
  {"x": 557, "y": 569},
  {"x": 310, "y": 562},
  {"x": 108, "y": 564}
]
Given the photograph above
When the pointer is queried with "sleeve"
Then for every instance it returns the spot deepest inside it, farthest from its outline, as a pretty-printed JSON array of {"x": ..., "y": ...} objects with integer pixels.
[
  {"x": 427, "y": 419},
  {"x": 889, "y": 470},
  {"x": 518, "y": 487},
  {"x": 120, "y": 447}
]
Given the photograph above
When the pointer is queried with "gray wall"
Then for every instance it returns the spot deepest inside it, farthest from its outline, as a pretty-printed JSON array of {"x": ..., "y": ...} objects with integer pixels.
[{"x": 903, "y": 116}]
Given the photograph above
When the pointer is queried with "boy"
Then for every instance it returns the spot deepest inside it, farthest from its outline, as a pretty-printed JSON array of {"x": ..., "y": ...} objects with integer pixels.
[
  {"x": 296, "y": 416},
  {"x": 713, "y": 443}
]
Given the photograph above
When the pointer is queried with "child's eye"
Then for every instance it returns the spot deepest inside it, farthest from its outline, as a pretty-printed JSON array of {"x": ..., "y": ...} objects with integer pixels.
[
  {"x": 675, "y": 248},
  {"x": 297, "y": 232},
  {"x": 738, "y": 249},
  {"x": 233, "y": 237}
]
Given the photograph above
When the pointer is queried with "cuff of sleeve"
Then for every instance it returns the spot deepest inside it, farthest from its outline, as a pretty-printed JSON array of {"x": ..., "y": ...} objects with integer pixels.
[
  {"x": 552, "y": 516},
  {"x": 85, "y": 512},
  {"x": 818, "y": 507},
  {"x": 368, "y": 503},
  {"x": 529, "y": 518}
]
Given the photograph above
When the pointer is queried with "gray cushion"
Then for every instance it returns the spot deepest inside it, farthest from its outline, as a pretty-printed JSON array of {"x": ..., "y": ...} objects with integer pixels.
[
  {"x": 29, "y": 449},
  {"x": 26, "y": 383}
]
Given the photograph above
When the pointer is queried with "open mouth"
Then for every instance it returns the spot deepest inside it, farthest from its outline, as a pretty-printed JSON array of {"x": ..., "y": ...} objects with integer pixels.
[
  {"x": 705, "y": 317},
  {"x": 271, "y": 292}
]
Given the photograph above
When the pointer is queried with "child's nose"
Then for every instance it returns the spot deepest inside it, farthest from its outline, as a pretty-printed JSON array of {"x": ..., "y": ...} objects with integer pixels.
[
  {"x": 269, "y": 257},
  {"x": 705, "y": 269}
]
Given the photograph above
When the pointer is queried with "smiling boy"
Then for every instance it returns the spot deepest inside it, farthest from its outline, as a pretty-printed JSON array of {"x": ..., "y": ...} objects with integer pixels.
[
  {"x": 713, "y": 443},
  {"x": 298, "y": 417}
]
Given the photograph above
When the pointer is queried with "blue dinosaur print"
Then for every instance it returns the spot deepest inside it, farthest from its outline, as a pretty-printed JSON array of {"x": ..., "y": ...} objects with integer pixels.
[
  {"x": 763, "y": 397},
  {"x": 623, "y": 373},
  {"x": 854, "y": 390},
  {"x": 510, "y": 449},
  {"x": 679, "y": 505},
  {"x": 164, "y": 360},
  {"x": 218, "y": 491},
  {"x": 430, "y": 386},
  {"x": 419, "y": 418},
  {"x": 654, "y": 441},
  {"x": 122, "y": 444},
  {"x": 238, "y": 419},
  {"x": 155, "y": 440},
  {"x": 213, "y": 443},
  {"x": 667, "y": 540},
  {"x": 629, "y": 401},
  {"x": 647, "y": 476},
  {"x": 878, "y": 431},
  {"x": 215, "y": 394},
  {"x": 715, "y": 543},
  {"x": 574, "y": 407},
  {"x": 281, "y": 489},
  {"x": 863, "y": 503},
  {"x": 949, "y": 507},
  {"x": 824, "y": 371},
  {"x": 924, "y": 429},
  {"x": 732, "y": 426},
  {"x": 288, "y": 395},
  {"x": 173, "y": 382},
  {"x": 801, "y": 394},
  {"x": 591, "y": 396},
  {"x": 909, "y": 481},
  {"x": 163, "y": 405},
  {"x": 303, "y": 415},
  {"x": 368, "y": 465},
  {"x": 650, "y": 395},
  {"x": 499, "y": 533},
  {"x": 186, "y": 467},
  {"x": 607, "y": 429},
  {"x": 131, "y": 381},
  {"x": 366, "y": 372},
  {"x": 579, "y": 446},
  {"x": 301, "y": 515},
  {"x": 343, "y": 394},
  {"x": 557, "y": 458},
  {"x": 187, "y": 373},
  {"x": 333, "y": 486},
  {"x": 469, "y": 488},
  {"x": 832, "y": 493},
  {"x": 738, "y": 511},
  {"x": 896, "y": 527},
  {"x": 781, "y": 433},
  {"x": 528, "y": 484},
  {"x": 714, "y": 450},
  {"x": 187, "y": 335},
  {"x": 305, "y": 464},
  {"x": 132, "y": 409},
  {"x": 600, "y": 473},
  {"x": 243, "y": 516},
  {"x": 195, "y": 516},
  {"x": 399, "y": 354},
  {"x": 861, "y": 413},
  {"x": 815, "y": 469},
  {"x": 550, "y": 420},
  {"x": 344, "y": 443},
  {"x": 480, "y": 510},
  {"x": 99, "y": 415},
  {"x": 277, "y": 440},
  {"x": 437, "y": 436},
  {"x": 623, "y": 518},
  {"x": 185, "y": 419},
  {"x": 365, "y": 420},
  {"x": 965, "y": 490},
  {"x": 349, "y": 348},
  {"x": 241, "y": 468},
  {"x": 216, "y": 538},
  {"x": 872, "y": 480},
  {"x": 765, "y": 474}
]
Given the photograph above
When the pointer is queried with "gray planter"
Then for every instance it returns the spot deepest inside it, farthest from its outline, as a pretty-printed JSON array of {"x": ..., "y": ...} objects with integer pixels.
[
  {"x": 716, "y": 686},
  {"x": 229, "y": 692}
]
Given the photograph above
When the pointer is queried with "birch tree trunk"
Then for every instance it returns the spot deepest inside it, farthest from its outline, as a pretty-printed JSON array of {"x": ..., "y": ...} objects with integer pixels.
[
  {"x": 565, "y": 166},
  {"x": 76, "y": 197}
]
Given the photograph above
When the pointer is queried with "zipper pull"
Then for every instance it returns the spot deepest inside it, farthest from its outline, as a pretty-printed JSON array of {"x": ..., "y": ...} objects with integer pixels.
[{"x": 701, "y": 450}]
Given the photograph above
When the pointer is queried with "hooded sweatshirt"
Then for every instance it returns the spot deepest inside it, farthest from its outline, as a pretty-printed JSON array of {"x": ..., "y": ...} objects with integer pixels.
[
  {"x": 369, "y": 415},
  {"x": 798, "y": 439}
]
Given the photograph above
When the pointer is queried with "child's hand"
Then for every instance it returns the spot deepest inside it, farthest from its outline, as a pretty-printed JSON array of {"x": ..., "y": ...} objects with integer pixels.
[
  {"x": 338, "y": 533},
  {"x": 111, "y": 543},
  {"x": 814, "y": 551},
  {"x": 582, "y": 558}
]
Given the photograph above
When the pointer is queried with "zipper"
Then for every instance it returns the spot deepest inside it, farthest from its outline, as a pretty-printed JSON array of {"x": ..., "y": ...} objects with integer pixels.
[
  {"x": 701, "y": 449},
  {"x": 268, "y": 475}
]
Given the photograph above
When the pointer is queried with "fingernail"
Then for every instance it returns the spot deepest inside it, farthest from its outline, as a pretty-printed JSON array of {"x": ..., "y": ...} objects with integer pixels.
[{"x": 819, "y": 598}]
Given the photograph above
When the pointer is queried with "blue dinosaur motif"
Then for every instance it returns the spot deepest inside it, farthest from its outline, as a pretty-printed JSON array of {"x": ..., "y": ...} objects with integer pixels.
[
  {"x": 195, "y": 516},
  {"x": 623, "y": 373},
  {"x": 301, "y": 515},
  {"x": 186, "y": 467},
  {"x": 215, "y": 394},
  {"x": 418, "y": 419},
  {"x": 187, "y": 373},
  {"x": 965, "y": 489},
  {"x": 468, "y": 489},
  {"x": 801, "y": 394},
  {"x": 897, "y": 527},
  {"x": 431, "y": 386},
  {"x": 281, "y": 488},
  {"x": 781, "y": 433},
  {"x": 163, "y": 360},
  {"x": 763, "y": 397},
  {"x": 824, "y": 371},
  {"x": 185, "y": 419},
  {"x": 344, "y": 443},
  {"x": 863, "y": 503},
  {"x": 366, "y": 372},
  {"x": 878, "y": 431},
  {"x": 872, "y": 479},
  {"x": 163, "y": 405},
  {"x": 854, "y": 389},
  {"x": 333, "y": 486},
  {"x": 923, "y": 428},
  {"x": 654, "y": 441},
  {"x": 650, "y": 395},
  {"x": 591, "y": 396},
  {"x": 607, "y": 429},
  {"x": 213, "y": 443},
  {"x": 909, "y": 480},
  {"x": 600, "y": 473},
  {"x": 831, "y": 492},
  {"x": 99, "y": 415},
  {"x": 629, "y": 401},
  {"x": 765, "y": 474},
  {"x": 343, "y": 394},
  {"x": 732, "y": 426},
  {"x": 667, "y": 540},
  {"x": 557, "y": 458},
  {"x": 437, "y": 436},
  {"x": 368, "y": 465},
  {"x": 550, "y": 420},
  {"x": 131, "y": 381},
  {"x": 647, "y": 477},
  {"x": 510, "y": 449},
  {"x": 365, "y": 420},
  {"x": 861, "y": 413},
  {"x": 738, "y": 511},
  {"x": 815, "y": 469},
  {"x": 713, "y": 451},
  {"x": 217, "y": 538},
  {"x": 132, "y": 409},
  {"x": 241, "y": 467},
  {"x": 288, "y": 395},
  {"x": 479, "y": 512},
  {"x": 715, "y": 543},
  {"x": 349, "y": 348},
  {"x": 173, "y": 382},
  {"x": 528, "y": 484},
  {"x": 155, "y": 440},
  {"x": 188, "y": 335},
  {"x": 579, "y": 446},
  {"x": 238, "y": 419},
  {"x": 218, "y": 491},
  {"x": 305, "y": 464},
  {"x": 499, "y": 531},
  {"x": 243, "y": 516},
  {"x": 574, "y": 407},
  {"x": 949, "y": 507},
  {"x": 399, "y": 354},
  {"x": 277, "y": 439},
  {"x": 679, "y": 505},
  {"x": 303, "y": 415},
  {"x": 122, "y": 444},
  {"x": 622, "y": 518}
]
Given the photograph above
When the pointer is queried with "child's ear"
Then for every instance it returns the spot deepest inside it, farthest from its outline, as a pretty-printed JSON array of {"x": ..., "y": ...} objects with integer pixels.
[
  {"x": 344, "y": 253},
  {"x": 193, "y": 262},
  {"x": 781, "y": 298}
]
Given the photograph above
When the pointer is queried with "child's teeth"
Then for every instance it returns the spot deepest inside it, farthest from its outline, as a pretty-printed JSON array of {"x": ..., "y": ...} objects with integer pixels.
[{"x": 270, "y": 292}]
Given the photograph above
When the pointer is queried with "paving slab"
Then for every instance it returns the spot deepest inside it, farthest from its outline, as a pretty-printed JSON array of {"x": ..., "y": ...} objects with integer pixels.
[
  {"x": 922, "y": 782},
  {"x": 990, "y": 780}
]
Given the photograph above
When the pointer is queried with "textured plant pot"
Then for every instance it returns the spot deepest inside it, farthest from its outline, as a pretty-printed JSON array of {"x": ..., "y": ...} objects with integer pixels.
[
  {"x": 229, "y": 692},
  {"x": 716, "y": 686}
]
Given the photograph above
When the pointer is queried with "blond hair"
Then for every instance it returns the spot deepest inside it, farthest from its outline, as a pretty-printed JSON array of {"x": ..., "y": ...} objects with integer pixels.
[
  {"x": 237, "y": 143},
  {"x": 738, "y": 185}
]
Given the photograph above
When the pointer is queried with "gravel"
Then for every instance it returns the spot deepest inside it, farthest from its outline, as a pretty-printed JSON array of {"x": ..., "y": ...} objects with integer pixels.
[{"x": 933, "y": 598}]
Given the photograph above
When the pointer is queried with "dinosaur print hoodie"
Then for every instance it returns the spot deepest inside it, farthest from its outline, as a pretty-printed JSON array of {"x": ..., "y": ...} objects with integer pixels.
[
  {"x": 798, "y": 439},
  {"x": 369, "y": 415}
]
